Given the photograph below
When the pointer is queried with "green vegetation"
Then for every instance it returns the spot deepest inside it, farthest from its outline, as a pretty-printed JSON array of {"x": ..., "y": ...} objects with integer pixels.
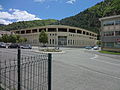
[
  {"x": 43, "y": 37},
  {"x": 108, "y": 52},
  {"x": 88, "y": 19},
  {"x": 12, "y": 39},
  {"x": 27, "y": 24}
]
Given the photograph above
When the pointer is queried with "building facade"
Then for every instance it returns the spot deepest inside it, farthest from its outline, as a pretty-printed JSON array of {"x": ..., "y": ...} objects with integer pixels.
[
  {"x": 110, "y": 33},
  {"x": 5, "y": 32},
  {"x": 60, "y": 35}
]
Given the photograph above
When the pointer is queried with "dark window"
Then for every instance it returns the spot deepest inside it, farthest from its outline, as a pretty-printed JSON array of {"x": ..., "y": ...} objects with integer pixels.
[
  {"x": 117, "y": 33},
  {"x": 79, "y": 31},
  {"x": 17, "y": 32},
  {"x": 50, "y": 41},
  {"x": 72, "y": 30},
  {"x": 34, "y": 30},
  {"x": 51, "y": 29},
  {"x": 22, "y": 32},
  {"x": 62, "y": 30},
  {"x": 53, "y": 41},
  {"x": 87, "y": 33},
  {"x": 28, "y": 31},
  {"x": 83, "y": 32},
  {"x": 42, "y": 29}
]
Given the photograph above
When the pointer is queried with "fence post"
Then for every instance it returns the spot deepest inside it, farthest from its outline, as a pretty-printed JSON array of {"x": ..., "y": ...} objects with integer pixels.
[
  {"x": 18, "y": 64},
  {"x": 49, "y": 70}
]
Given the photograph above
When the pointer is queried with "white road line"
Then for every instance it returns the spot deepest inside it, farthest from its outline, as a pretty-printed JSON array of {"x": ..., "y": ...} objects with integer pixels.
[{"x": 96, "y": 56}]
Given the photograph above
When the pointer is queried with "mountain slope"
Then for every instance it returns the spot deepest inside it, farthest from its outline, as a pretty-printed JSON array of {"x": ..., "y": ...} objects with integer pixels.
[
  {"x": 89, "y": 19},
  {"x": 27, "y": 24}
]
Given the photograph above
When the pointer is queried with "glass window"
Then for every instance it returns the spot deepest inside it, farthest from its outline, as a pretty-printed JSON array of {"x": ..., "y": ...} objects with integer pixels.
[
  {"x": 117, "y": 33},
  {"x": 109, "y": 23},
  {"x": 109, "y": 44},
  {"x": 117, "y": 22},
  {"x": 117, "y": 45}
]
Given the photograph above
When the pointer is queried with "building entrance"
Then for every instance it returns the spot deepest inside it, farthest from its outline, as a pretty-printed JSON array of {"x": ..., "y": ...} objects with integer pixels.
[{"x": 62, "y": 40}]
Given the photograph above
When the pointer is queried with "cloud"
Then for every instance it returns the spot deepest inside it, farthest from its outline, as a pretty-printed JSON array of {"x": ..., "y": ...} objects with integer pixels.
[
  {"x": 71, "y": 1},
  {"x": 1, "y": 8},
  {"x": 2, "y": 21},
  {"x": 16, "y": 15}
]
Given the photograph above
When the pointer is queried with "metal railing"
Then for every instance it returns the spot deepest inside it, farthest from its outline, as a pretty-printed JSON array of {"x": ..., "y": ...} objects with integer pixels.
[{"x": 25, "y": 72}]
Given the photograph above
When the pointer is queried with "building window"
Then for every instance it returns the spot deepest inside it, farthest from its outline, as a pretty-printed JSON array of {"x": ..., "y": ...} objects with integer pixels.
[
  {"x": 51, "y": 29},
  {"x": 109, "y": 44},
  {"x": 53, "y": 41},
  {"x": 17, "y": 32},
  {"x": 34, "y": 30},
  {"x": 117, "y": 33},
  {"x": 50, "y": 41},
  {"x": 42, "y": 29},
  {"x": 108, "y": 23},
  {"x": 28, "y": 31},
  {"x": 110, "y": 33},
  {"x": 62, "y": 29},
  {"x": 72, "y": 30},
  {"x": 83, "y": 32},
  {"x": 79, "y": 31},
  {"x": 117, "y": 22},
  {"x": 22, "y": 32},
  {"x": 117, "y": 45}
]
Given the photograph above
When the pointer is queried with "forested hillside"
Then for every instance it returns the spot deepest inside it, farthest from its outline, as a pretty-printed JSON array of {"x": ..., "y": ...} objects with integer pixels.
[
  {"x": 89, "y": 19},
  {"x": 27, "y": 24}
]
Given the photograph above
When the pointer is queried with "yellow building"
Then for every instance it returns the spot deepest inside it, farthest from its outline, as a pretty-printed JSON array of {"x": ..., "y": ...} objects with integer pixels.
[{"x": 60, "y": 35}]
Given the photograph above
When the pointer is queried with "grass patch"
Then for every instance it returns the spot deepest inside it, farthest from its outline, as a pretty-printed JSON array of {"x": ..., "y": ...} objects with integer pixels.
[
  {"x": 108, "y": 52},
  {"x": 51, "y": 50}
]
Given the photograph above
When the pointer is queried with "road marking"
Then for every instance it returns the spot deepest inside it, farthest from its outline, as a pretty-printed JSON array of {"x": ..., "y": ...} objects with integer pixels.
[{"x": 96, "y": 56}]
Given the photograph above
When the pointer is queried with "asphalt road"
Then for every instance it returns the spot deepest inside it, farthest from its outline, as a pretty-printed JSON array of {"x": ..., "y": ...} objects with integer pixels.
[{"x": 80, "y": 69}]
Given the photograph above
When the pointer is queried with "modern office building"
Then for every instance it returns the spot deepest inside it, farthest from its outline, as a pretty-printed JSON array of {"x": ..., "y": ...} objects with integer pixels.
[
  {"x": 60, "y": 35},
  {"x": 110, "y": 33}
]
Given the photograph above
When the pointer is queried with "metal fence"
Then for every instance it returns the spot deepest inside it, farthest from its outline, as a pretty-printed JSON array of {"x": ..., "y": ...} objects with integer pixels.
[{"x": 19, "y": 72}]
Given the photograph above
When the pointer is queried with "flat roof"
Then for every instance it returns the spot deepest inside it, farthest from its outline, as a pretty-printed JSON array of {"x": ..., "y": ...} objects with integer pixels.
[{"x": 110, "y": 17}]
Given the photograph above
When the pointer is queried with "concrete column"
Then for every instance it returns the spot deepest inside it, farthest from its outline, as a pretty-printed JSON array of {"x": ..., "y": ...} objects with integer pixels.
[
  {"x": 75, "y": 30},
  {"x": 56, "y": 29},
  {"x": 67, "y": 29},
  {"x": 46, "y": 29}
]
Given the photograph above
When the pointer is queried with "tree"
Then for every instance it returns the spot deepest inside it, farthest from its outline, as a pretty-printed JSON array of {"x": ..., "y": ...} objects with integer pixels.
[
  {"x": 5, "y": 38},
  {"x": 43, "y": 37},
  {"x": 12, "y": 38}
]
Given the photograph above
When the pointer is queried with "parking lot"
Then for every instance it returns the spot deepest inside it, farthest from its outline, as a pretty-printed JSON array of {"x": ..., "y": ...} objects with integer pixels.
[{"x": 81, "y": 69}]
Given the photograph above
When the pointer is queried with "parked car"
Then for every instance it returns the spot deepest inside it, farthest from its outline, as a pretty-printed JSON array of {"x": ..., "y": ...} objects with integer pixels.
[
  {"x": 88, "y": 47},
  {"x": 96, "y": 48},
  {"x": 13, "y": 45},
  {"x": 2, "y": 45},
  {"x": 27, "y": 46}
]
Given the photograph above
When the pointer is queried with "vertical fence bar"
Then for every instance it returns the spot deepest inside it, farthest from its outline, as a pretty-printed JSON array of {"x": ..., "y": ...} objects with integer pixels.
[
  {"x": 49, "y": 70},
  {"x": 18, "y": 62}
]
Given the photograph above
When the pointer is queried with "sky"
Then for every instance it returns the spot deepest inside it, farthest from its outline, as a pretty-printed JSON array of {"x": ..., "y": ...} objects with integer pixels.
[{"x": 27, "y": 10}]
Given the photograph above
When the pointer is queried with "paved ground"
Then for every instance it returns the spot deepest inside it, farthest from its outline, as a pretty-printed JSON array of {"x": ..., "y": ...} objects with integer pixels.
[{"x": 80, "y": 69}]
